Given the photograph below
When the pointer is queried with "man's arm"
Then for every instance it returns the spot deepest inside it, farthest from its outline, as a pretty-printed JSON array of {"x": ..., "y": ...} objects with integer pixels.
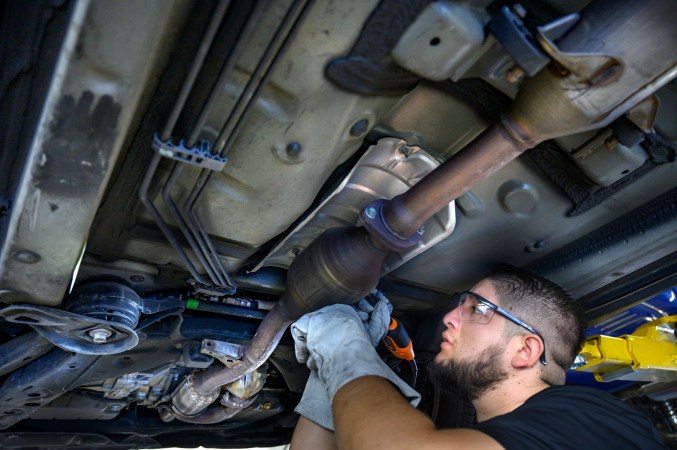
[
  {"x": 309, "y": 435},
  {"x": 369, "y": 413}
]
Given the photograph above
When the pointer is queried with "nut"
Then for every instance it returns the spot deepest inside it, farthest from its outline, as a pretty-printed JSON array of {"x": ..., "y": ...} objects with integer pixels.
[{"x": 100, "y": 335}]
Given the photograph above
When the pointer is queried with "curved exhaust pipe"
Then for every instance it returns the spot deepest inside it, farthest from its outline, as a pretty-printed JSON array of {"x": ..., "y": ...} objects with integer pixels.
[{"x": 602, "y": 69}]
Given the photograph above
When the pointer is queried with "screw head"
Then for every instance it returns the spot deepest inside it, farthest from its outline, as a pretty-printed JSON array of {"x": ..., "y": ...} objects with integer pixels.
[
  {"x": 293, "y": 149},
  {"x": 370, "y": 212},
  {"x": 266, "y": 405},
  {"x": 359, "y": 128},
  {"x": 100, "y": 335},
  {"x": 421, "y": 230}
]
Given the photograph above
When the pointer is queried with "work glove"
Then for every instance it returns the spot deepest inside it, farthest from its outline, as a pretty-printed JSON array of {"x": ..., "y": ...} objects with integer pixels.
[
  {"x": 315, "y": 403},
  {"x": 337, "y": 344}
]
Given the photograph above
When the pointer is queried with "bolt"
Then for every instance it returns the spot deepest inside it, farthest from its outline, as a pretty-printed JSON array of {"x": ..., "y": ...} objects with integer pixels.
[
  {"x": 370, "y": 212},
  {"x": 519, "y": 10},
  {"x": 293, "y": 149},
  {"x": 359, "y": 128},
  {"x": 611, "y": 143},
  {"x": 514, "y": 75},
  {"x": 266, "y": 406},
  {"x": 100, "y": 335},
  {"x": 26, "y": 257},
  {"x": 405, "y": 150},
  {"x": 421, "y": 230}
]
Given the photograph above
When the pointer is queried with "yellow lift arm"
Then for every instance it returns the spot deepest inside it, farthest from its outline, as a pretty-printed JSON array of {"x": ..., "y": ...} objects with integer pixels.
[{"x": 648, "y": 354}]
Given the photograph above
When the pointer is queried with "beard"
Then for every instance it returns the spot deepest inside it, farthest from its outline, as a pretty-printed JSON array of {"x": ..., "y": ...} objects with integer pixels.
[{"x": 469, "y": 378}]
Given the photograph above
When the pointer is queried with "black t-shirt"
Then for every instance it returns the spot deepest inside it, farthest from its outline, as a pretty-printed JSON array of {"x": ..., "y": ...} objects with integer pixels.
[{"x": 573, "y": 417}]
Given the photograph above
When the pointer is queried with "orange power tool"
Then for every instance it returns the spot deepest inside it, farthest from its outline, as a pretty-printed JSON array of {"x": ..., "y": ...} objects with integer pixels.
[{"x": 397, "y": 340}]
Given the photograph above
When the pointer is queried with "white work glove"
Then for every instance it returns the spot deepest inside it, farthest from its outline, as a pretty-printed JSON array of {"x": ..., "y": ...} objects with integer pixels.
[
  {"x": 315, "y": 404},
  {"x": 340, "y": 349}
]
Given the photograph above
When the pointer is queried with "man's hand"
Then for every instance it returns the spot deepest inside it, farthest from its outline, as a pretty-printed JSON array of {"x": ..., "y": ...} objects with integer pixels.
[
  {"x": 315, "y": 403},
  {"x": 340, "y": 348}
]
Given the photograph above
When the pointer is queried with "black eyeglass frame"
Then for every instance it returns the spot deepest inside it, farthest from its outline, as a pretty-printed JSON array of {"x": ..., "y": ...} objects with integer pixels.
[{"x": 505, "y": 314}]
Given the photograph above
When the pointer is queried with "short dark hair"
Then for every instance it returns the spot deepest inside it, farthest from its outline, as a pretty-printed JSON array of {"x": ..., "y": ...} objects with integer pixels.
[{"x": 548, "y": 308}]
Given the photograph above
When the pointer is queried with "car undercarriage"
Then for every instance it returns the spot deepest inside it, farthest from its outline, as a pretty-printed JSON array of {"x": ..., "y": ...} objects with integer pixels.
[{"x": 180, "y": 180}]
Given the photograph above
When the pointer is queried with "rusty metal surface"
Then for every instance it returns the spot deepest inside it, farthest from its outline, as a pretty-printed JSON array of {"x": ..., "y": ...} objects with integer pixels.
[
  {"x": 598, "y": 89},
  {"x": 407, "y": 212},
  {"x": 257, "y": 352}
]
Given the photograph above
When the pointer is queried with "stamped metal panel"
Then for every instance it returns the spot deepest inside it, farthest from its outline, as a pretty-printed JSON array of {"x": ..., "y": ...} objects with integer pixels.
[
  {"x": 300, "y": 128},
  {"x": 101, "y": 73},
  {"x": 386, "y": 170}
]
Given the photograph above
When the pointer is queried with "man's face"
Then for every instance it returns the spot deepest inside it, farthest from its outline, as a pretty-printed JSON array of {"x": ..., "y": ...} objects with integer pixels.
[{"x": 471, "y": 355}]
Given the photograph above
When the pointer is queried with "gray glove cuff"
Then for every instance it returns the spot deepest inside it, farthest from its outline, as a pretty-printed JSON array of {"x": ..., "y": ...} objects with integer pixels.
[{"x": 314, "y": 404}]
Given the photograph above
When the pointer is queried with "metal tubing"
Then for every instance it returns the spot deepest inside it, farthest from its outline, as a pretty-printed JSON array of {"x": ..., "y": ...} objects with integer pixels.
[
  {"x": 148, "y": 203},
  {"x": 191, "y": 219},
  {"x": 201, "y": 233},
  {"x": 240, "y": 111},
  {"x": 215, "y": 414},
  {"x": 259, "y": 77},
  {"x": 256, "y": 353},
  {"x": 215, "y": 92},
  {"x": 205, "y": 45},
  {"x": 408, "y": 212},
  {"x": 22, "y": 350},
  {"x": 197, "y": 245}
]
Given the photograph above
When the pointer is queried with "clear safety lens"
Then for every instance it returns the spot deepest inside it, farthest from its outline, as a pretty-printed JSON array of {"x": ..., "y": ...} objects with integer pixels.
[{"x": 474, "y": 310}]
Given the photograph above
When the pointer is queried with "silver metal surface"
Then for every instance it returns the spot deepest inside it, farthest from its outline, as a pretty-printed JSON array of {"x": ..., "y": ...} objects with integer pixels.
[
  {"x": 188, "y": 401},
  {"x": 603, "y": 159},
  {"x": 145, "y": 388},
  {"x": 386, "y": 169},
  {"x": 256, "y": 353},
  {"x": 438, "y": 44},
  {"x": 248, "y": 385},
  {"x": 228, "y": 353}
]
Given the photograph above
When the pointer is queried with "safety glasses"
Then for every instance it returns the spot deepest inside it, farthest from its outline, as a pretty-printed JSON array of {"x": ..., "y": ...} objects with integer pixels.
[{"x": 476, "y": 308}]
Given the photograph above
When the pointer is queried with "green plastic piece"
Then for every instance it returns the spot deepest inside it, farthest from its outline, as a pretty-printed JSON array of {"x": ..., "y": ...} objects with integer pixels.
[{"x": 192, "y": 303}]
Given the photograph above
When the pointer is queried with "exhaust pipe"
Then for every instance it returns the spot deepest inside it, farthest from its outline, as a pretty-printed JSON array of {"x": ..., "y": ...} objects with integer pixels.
[{"x": 602, "y": 69}]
